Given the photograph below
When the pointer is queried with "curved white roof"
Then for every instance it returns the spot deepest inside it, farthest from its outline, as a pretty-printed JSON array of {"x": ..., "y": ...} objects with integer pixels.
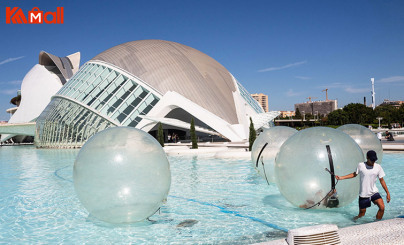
[{"x": 169, "y": 66}]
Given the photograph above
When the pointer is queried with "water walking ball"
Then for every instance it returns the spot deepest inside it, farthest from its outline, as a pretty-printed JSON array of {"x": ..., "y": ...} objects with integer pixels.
[
  {"x": 122, "y": 175},
  {"x": 301, "y": 164},
  {"x": 365, "y": 138},
  {"x": 275, "y": 137}
]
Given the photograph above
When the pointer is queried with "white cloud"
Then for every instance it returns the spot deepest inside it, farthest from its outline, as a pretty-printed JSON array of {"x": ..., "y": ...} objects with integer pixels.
[
  {"x": 303, "y": 78},
  {"x": 9, "y": 91},
  {"x": 10, "y": 60},
  {"x": 391, "y": 79},
  {"x": 14, "y": 82},
  {"x": 351, "y": 90},
  {"x": 347, "y": 88},
  {"x": 291, "y": 93},
  {"x": 283, "y": 67}
]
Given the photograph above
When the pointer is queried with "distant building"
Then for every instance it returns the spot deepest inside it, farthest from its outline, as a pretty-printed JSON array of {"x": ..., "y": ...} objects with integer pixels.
[
  {"x": 287, "y": 114},
  {"x": 395, "y": 103},
  {"x": 317, "y": 107},
  {"x": 262, "y": 100}
]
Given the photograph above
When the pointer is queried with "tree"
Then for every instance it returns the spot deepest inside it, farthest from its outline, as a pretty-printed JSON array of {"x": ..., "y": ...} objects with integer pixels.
[
  {"x": 193, "y": 135},
  {"x": 160, "y": 135},
  {"x": 359, "y": 113},
  {"x": 298, "y": 115},
  {"x": 16, "y": 100},
  {"x": 401, "y": 114},
  {"x": 253, "y": 135},
  {"x": 337, "y": 117},
  {"x": 389, "y": 113}
]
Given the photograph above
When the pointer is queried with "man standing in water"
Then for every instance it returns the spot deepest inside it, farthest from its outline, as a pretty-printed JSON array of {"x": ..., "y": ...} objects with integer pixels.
[{"x": 368, "y": 191}]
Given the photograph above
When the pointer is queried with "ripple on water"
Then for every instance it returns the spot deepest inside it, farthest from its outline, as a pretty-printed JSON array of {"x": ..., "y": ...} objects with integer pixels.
[{"x": 226, "y": 199}]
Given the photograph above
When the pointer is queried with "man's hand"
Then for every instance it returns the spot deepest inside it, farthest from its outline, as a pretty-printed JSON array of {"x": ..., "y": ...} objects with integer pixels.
[
  {"x": 383, "y": 183},
  {"x": 348, "y": 176}
]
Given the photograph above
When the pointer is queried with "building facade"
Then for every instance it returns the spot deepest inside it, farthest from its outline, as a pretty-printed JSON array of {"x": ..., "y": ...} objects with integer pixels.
[
  {"x": 317, "y": 107},
  {"x": 395, "y": 103},
  {"x": 262, "y": 100},
  {"x": 142, "y": 83},
  {"x": 287, "y": 114}
]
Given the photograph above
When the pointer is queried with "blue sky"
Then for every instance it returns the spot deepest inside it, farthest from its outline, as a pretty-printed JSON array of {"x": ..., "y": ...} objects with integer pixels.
[{"x": 289, "y": 50}]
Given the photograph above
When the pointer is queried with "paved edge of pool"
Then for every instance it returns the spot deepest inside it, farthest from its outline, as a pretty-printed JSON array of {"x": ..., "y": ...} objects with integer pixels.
[{"x": 389, "y": 231}]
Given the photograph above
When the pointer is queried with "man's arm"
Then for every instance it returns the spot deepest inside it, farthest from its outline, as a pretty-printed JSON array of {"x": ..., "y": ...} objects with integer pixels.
[
  {"x": 348, "y": 176},
  {"x": 383, "y": 183}
]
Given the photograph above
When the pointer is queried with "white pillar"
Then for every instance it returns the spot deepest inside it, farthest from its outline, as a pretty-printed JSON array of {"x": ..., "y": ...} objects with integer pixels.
[{"x": 373, "y": 93}]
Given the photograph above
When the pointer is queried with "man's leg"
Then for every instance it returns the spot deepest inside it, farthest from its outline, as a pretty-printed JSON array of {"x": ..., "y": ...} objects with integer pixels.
[
  {"x": 362, "y": 212},
  {"x": 379, "y": 202}
]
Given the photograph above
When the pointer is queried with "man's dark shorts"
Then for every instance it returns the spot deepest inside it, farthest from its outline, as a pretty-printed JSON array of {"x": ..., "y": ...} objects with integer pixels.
[{"x": 364, "y": 202}]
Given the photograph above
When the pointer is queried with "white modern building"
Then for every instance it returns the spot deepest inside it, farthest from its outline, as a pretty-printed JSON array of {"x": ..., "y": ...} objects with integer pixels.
[
  {"x": 142, "y": 83},
  {"x": 39, "y": 85}
]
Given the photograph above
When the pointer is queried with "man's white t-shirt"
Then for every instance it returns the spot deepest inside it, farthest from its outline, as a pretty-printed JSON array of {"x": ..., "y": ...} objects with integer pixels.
[{"x": 368, "y": 176}]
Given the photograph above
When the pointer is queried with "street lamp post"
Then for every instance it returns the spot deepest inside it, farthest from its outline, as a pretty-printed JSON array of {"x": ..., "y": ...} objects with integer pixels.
[{"x": 379, "y": 118}]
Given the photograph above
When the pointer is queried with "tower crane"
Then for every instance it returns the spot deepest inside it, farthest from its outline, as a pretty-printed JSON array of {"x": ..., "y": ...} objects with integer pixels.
[
  {"x": 309, "y": 98},
  {"x": 326, "y": 93}
]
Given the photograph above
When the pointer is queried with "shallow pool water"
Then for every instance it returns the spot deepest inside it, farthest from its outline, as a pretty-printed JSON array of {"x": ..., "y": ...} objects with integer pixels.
[{"x": 211, "y": 201}]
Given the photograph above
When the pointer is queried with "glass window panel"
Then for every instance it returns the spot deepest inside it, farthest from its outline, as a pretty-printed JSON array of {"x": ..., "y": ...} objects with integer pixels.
[
  {"x": 147, "y": 109},
  {"x": 105, "y": 73},
  {"x": 91, "y": 88},
  {"x": 133, "y": 124},
  {"x": 128, "y": 110},
  {"x": 112, "y": 100},
  {"x": 121, "y": 117},
  {"x": 149, "y": 99},
  {"x": 128, "y": 86},
  {"x": 143, "y": 94},
  {"x": 111, "y": 88},
  {"x": 154, "y": 102},
  {"x": 134, "y": 115},
  {"x": 134, "y": 83},
  {"x": 115, "y": 105},
  {"x": 142, "y": 107},
  {"x": 138, "y": 91},
  {"x": 120, "y": 93},
  {"x": 112, "y": 76},
  {"x": 136, "y": 102},
  {"x": 94, "y": 103}
]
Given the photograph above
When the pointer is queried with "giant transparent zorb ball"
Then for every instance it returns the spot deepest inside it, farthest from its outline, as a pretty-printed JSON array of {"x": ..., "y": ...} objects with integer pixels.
[
  {"x": 275, "y": 137},
  {"x": 365, "y": 138},
  {"x": 122, "y": 175},
  {"x": 301, "y": 162}
]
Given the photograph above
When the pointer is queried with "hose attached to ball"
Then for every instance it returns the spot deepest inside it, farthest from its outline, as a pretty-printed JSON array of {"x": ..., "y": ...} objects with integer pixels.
[
  {"x": 259, "y": 155},
  {"x": 331, "y": 167},
  {"x": 333, "y": 183},
  {"x": 262, "y": 161}
]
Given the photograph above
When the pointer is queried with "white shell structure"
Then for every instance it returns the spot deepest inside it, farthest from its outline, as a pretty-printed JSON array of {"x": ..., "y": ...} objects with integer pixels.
[
  {"x": 274, "y": 138},
  {"x": 37, "y": 88},
  {"x": 365, "y": 138},
  {"x": 301, "y": 164},
  {"x": 122, "y": 175},
  {"x": 39, "y": 85}
]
